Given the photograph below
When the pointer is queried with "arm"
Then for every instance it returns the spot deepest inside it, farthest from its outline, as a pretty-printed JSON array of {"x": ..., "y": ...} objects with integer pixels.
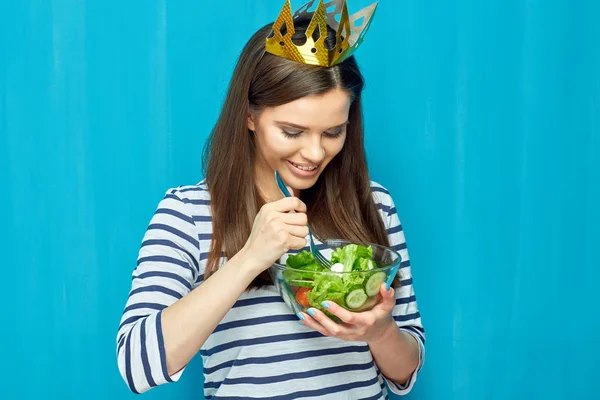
[
  {"x": 393, "y": 328},
  {"x": 149, "y": 352},
  {"x": 190, "y": 321},
  {"x": 166, "y": 321},
  {"x": 396, "y": 353}
]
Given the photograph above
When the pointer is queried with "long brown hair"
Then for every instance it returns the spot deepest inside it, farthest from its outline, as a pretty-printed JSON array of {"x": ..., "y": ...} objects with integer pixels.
[{"x": 339, "y": 205}]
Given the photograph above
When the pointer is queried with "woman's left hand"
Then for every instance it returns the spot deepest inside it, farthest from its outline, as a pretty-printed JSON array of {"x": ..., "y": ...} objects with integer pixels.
[{"x": 366, "y": 326}]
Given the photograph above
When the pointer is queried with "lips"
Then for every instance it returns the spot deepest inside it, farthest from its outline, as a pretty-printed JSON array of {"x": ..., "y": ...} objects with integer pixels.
[{"x": 305, "y": 167}]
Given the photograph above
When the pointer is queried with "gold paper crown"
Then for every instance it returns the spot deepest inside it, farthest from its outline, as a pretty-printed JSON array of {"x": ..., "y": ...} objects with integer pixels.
[{"x": 350, "y": 32}]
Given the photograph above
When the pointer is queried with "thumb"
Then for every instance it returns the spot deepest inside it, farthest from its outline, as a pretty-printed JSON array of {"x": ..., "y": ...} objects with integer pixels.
[
  {"x": 387, "y": 295},
  {"x": 385, "y": 292},
  {"x": 387, "y": 302}
]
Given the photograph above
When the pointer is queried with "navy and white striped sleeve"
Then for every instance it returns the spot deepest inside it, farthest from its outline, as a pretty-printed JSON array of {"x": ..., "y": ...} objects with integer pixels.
[
  {"x": 406, "y": 312},
  {"x": 167, "y": 267}
]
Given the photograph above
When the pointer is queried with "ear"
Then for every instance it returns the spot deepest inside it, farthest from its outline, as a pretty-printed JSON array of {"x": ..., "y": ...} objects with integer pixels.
[{"x": 251, "y": 121}]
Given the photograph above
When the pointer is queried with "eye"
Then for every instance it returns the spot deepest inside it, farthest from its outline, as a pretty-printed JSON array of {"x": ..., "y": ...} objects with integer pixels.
[
  {"x": 291, "y": 135},
  {"x": 334, "y": 135}
]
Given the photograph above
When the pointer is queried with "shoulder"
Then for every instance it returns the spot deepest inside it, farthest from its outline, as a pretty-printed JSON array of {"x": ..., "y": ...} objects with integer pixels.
[
  {"x": 189, "y": 197},
  {"x": 185, "y": 212},
  {"x": 190, "y": 203},
  {"x": 382, "y": 198},
  {"x": 190, "y": 194}
]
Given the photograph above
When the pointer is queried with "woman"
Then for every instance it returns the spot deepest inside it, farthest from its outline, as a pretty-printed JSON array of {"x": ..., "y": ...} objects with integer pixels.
[{"x": 201, "y": 282}]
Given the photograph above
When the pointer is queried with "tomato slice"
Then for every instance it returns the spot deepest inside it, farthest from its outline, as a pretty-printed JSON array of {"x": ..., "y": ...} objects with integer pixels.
[{"x": 302, "y": 296}]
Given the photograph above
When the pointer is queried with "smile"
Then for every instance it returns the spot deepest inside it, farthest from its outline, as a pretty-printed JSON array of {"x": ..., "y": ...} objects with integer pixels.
[{"x": 305, "y": 167}]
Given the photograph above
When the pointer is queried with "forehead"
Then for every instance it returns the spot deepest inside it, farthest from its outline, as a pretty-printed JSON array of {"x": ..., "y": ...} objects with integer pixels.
[{"x": 316, "y": 112}]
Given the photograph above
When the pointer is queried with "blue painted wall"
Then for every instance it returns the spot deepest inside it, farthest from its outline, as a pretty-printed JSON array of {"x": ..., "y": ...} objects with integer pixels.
[{"x": 483, "y": 119}]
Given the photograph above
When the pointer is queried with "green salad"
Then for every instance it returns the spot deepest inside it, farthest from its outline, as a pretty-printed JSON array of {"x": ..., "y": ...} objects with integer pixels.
[{"x": 351, "y": 283}]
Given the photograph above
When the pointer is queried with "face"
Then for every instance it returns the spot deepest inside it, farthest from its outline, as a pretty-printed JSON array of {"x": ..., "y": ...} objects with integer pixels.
[{"x": 299, "y": 139}]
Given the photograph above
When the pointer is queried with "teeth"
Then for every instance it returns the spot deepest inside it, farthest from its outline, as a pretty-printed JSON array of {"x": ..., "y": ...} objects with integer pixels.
[{"x": 305, "y": 168}]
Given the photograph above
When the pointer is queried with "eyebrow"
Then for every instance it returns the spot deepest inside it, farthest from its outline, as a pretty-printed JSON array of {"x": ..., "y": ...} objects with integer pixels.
[{"x": 292, "y": 125}]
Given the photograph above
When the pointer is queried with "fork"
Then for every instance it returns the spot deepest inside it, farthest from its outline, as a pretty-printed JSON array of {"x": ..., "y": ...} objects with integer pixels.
[{"x": 321, "y": 259}]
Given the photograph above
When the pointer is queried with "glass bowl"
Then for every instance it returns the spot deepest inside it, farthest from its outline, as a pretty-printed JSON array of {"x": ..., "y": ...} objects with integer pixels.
[{"x": 354, "y": 285}]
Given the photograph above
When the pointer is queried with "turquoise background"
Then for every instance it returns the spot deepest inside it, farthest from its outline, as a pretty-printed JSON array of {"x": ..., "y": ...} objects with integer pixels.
[{"x": 482, "y": 118}]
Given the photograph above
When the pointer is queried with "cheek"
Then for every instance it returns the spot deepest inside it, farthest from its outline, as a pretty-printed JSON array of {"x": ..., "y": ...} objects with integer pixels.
[
  {"x": 275, "y": 145},
  {"x": 334, "y": 147}
]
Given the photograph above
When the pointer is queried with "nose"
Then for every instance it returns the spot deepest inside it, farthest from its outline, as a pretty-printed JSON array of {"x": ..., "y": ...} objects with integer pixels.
[{"x": 313, "y": 150}]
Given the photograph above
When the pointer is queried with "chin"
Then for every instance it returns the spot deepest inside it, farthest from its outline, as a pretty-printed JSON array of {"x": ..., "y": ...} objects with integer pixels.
[
  {"x": 299, "y": 183},
  {"x": 305, "y": 185}
]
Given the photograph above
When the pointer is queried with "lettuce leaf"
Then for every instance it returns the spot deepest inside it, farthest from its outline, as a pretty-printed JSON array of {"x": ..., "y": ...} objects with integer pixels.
[
  {"x": 351, "y": 256},
  {"x": 303, "y": 261}
]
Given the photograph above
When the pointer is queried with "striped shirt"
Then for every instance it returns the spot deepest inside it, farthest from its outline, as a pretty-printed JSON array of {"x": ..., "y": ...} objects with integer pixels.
[{"x": 258, "y": 350}]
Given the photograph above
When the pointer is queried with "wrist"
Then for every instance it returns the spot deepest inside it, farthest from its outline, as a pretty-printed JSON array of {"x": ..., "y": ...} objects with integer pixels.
[
  {"x": 249, "y": 262},
  {"x": 388, "y": 331}
]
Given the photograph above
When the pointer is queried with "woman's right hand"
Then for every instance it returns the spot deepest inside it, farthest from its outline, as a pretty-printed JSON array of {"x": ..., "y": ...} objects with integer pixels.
[{"x": 278, "y": 227}]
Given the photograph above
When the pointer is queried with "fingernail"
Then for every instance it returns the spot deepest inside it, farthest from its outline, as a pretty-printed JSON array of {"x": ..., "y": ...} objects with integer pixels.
[
  {"x": 325, "y": 304},
  {"x": 300, "y": 316},
  {"x": 311, "y": 312},
  {"x": 300, "y": 323}
]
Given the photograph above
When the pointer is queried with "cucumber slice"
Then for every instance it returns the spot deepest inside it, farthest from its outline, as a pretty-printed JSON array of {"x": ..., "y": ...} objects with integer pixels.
[
  {"x": 301, "y": 283},
  {"x": 374, "y": 282},
  {"x": 356, "y": 297}
]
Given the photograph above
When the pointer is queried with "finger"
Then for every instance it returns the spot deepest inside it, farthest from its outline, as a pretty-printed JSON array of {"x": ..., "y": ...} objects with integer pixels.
[
  {"x": 297, "y": 231},
  {"x": 309, "y": 322},
  {"x": 333, "y": 328},
  {"x": 364, "y": 318},
  {"x": 388, "y": 300},
  {"x": 296, "y": 243},
  {"x": 288, "y": 204},
  {"x": 294, "y": 219},
  {"x": 387, "y": 295},
  {"x": 340, "y": 312}
]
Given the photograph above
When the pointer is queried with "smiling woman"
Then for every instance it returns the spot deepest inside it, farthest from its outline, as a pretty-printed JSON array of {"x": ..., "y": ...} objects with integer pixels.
[
  {"x": 201, "y": 283},
  {"x": 301, "y": 149}
]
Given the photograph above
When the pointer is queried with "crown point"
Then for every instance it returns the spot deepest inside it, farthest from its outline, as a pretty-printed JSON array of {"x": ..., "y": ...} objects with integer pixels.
[{"x": 350, "y": 32}]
